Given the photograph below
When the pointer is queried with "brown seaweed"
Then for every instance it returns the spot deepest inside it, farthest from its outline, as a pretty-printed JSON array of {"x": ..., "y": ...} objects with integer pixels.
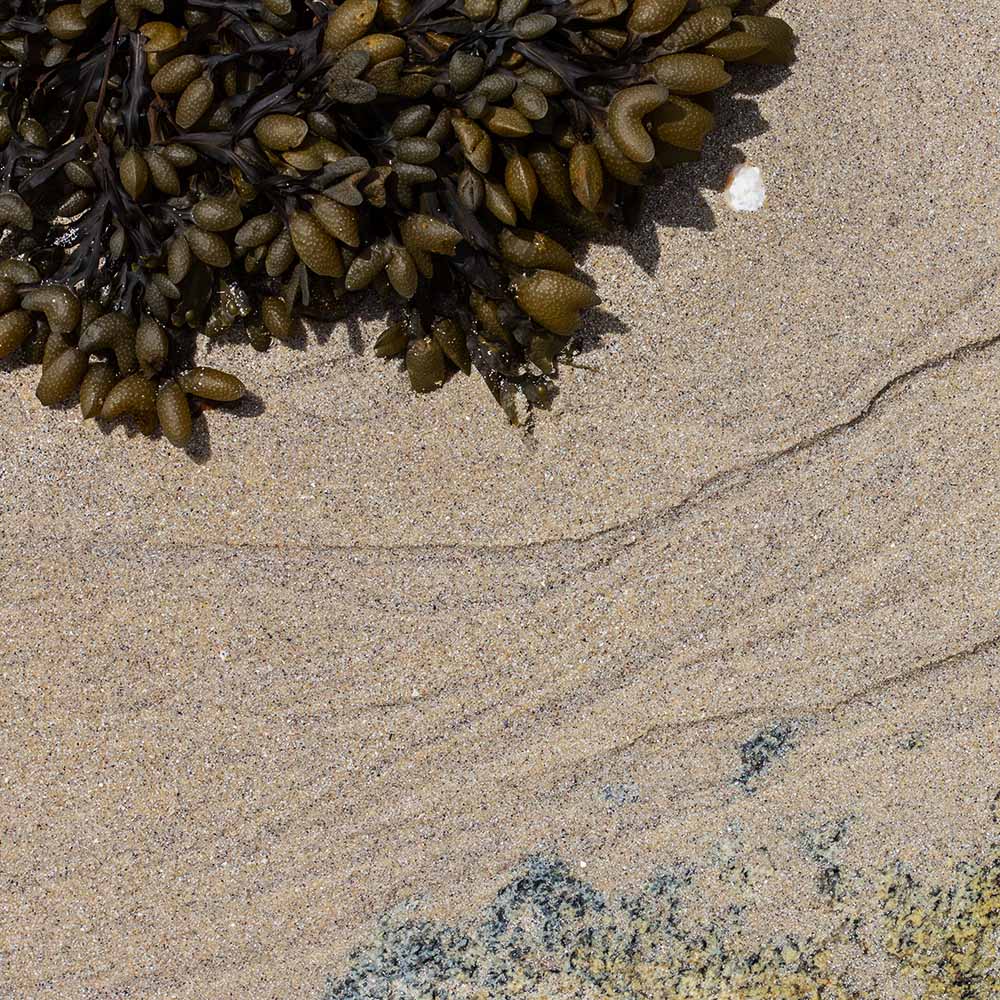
[{"x": 177, "y": 168}]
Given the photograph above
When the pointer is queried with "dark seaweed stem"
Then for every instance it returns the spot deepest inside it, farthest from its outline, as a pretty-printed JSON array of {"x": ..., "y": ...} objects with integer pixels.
[
  {"x": 51, "y": 165},
  {"x": 229, "y": 165},
  {"x": 125, "y": 209},
  {"x": 244, "y": 12},
  {"x": 105, "y": 76},
  {"x": 85, "y": 258},
  {"x": 138, "y": 92},
  {"x": 287, "y": 49}
]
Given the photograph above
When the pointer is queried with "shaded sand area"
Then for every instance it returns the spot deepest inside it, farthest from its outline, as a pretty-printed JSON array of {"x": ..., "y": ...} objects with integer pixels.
[{"x": 713, "y": 654}]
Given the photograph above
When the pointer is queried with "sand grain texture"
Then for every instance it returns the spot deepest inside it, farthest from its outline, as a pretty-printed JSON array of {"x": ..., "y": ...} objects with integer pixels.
[{"x": 381, "y": 646}]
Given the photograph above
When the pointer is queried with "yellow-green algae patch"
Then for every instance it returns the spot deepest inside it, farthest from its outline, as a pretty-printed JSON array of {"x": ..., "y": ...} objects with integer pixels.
[
  {"x": 548, "y": 934},
  {"x": 947, "y": 938}
]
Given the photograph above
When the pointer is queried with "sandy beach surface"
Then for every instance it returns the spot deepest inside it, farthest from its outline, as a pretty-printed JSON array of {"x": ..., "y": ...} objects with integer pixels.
[{"x": 727, "y": 619}]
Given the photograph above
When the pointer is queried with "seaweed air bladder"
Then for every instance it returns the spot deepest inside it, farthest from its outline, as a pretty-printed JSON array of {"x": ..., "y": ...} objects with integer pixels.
[{"x": 173, "y": 169}]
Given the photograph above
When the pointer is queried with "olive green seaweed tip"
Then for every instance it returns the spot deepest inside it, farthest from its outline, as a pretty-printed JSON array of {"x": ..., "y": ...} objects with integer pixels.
[{"x": 174, "y": 176}]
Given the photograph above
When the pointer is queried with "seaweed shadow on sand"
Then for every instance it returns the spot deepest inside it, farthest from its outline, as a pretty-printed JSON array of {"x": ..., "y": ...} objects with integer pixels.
[
  {"x": 678, "y": 200},
  {"x": 199, "y": 446}
]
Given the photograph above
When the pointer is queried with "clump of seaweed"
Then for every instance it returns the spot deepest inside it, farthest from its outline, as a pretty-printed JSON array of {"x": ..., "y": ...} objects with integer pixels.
[{"x": 170, "y": 168}]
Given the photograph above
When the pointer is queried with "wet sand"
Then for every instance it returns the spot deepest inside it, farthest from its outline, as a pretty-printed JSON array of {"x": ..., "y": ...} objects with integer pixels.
[{"x": 730, "y": 610}]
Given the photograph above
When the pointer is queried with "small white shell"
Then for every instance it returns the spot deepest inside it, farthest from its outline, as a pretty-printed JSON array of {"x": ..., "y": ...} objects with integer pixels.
[{"x": 745, "y": 190}]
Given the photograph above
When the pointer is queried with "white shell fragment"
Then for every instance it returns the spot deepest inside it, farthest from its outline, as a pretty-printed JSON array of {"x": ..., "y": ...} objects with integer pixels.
[{"x": 745, "y": 190}]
